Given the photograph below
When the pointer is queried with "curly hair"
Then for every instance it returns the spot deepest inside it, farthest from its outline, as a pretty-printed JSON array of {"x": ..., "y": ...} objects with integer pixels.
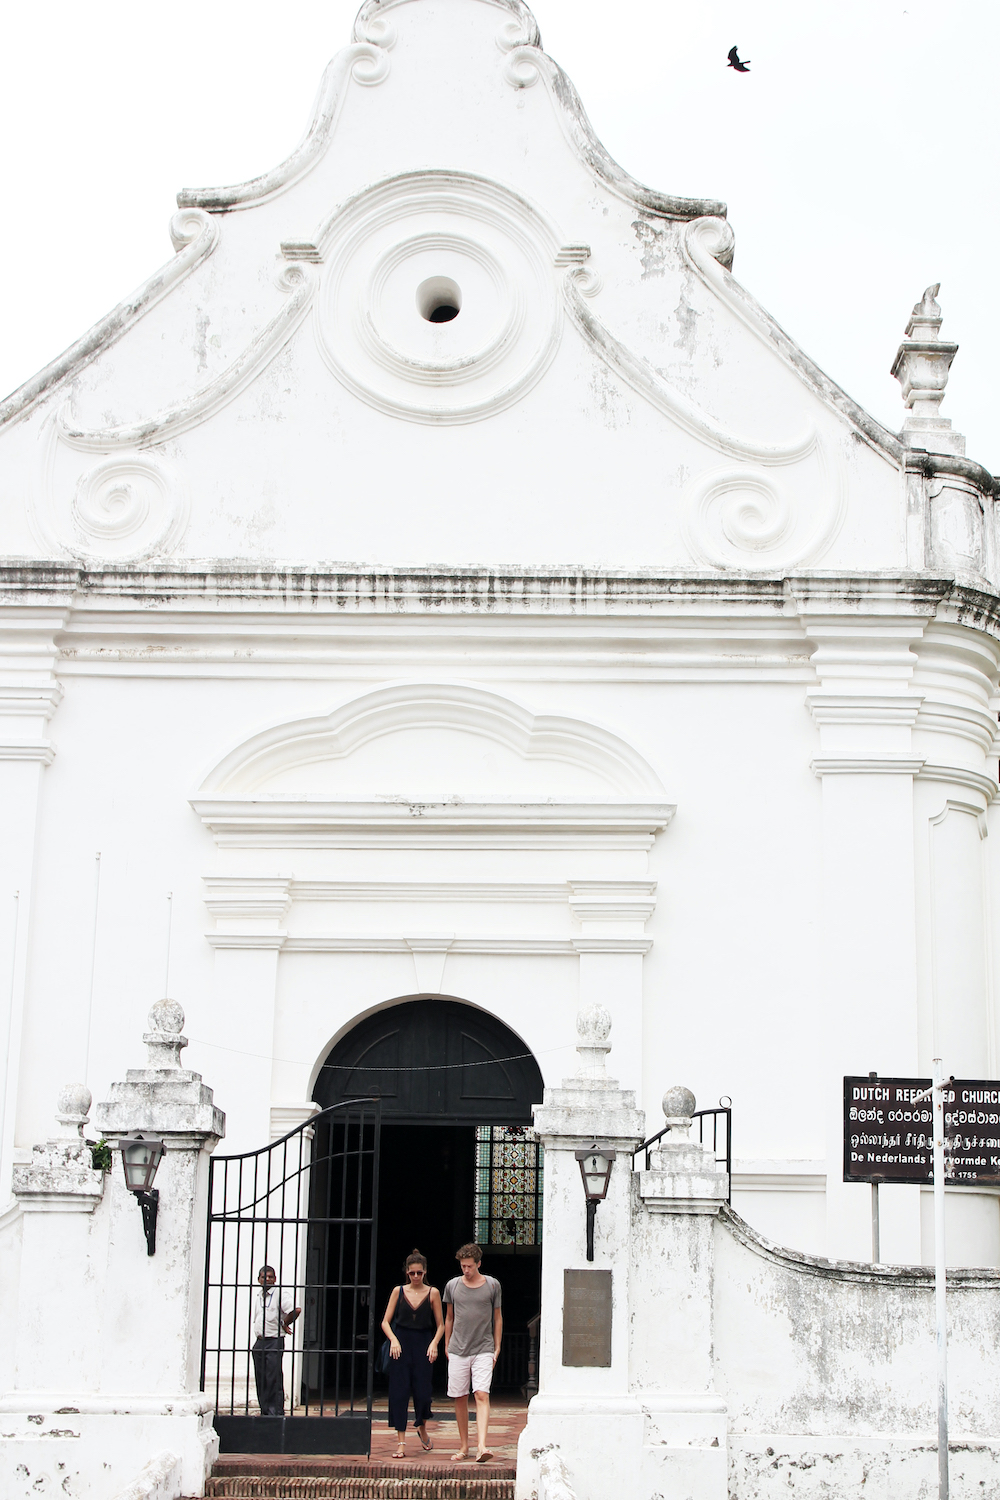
[{"x": 469, "y": 1252}]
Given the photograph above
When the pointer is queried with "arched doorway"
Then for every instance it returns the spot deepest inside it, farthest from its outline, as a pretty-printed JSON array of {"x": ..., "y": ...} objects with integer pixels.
[{"x": 457, "y": 1087}]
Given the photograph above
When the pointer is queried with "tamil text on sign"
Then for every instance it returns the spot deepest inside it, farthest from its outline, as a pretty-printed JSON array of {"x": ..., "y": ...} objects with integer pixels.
[{"x": 888, "y": 1130}]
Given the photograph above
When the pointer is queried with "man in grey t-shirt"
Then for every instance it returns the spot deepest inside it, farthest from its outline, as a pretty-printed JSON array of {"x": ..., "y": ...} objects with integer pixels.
[{"x": 473, "y": 1328}]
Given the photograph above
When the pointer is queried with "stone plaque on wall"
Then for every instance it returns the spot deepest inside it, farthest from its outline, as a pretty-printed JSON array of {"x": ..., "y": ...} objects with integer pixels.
[{"x": 587, "y": 1318}]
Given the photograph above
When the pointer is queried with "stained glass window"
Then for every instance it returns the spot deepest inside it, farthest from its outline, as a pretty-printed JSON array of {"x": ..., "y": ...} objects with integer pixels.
[{"x": 508, "y": 1185}]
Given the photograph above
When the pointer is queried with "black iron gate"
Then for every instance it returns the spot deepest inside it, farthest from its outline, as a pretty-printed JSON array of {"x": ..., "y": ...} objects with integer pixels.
[{"x": 307, "y": 1206}]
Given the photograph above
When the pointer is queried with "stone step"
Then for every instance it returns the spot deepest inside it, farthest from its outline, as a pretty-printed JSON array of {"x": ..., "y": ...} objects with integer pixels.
[
  {"x": 316, "y": 1487},
  {"x": 259, "y": 1477}
]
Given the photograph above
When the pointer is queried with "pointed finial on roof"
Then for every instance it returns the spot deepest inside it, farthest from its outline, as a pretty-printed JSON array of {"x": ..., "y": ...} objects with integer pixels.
[
  {"x": 922, "y": 366},
  {"x": 927, "y": 307}
]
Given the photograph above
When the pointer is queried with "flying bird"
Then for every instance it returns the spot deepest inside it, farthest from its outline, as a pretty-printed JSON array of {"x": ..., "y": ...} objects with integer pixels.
[{"x": 734, "y": 61}]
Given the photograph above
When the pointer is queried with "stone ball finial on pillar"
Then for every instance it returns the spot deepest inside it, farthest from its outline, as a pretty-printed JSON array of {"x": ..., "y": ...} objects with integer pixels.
[
  {"x": 593, "y": 1027},
  {"x": 163, "y": 1039},
  {"x": 678, "y": 1107},
  {"x": 72, "y": 1111}
]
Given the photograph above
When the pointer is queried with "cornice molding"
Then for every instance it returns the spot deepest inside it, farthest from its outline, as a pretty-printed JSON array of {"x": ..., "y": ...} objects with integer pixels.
[
  {"x": 898, "y": 710},
  {"x": 194, "y": 236},
  {"x": 364, "y": 588},
  {"x": 39, "y": 750},
  {"x": 267, "y": 823},
  {"x": 406, "y": 891},
  {"x": 973, "y": 781},
  {"x": 488, "y": 944},
  {"x": 887, "y": 764}
]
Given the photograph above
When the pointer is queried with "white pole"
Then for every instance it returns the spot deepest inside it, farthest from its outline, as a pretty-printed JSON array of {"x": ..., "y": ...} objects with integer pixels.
[
  {"x": 93, "y": 965},
  {"x": 940, "y": 1280},
  {"x": 170, "y": 919}
]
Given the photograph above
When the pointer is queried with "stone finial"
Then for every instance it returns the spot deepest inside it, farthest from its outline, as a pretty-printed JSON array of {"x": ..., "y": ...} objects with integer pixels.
[
  {"x": 72, "y": 1111},
  {"x": 922, "y": 366},
  {"x": 678, "y": 1107},
  {"x": 61, "y": 1173},
  {"x": 163, "y": 1039},
  {"x": 926, "y": 315},
  {"x": 593, "y": 1027}
]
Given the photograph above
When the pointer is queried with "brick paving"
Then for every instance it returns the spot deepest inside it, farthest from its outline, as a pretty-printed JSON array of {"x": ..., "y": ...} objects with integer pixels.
[{"x": 418, "y": 1476}]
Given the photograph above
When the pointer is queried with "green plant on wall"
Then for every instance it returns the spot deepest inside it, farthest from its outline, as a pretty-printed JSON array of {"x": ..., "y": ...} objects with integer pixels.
[{"x": 100, "y": 1155}]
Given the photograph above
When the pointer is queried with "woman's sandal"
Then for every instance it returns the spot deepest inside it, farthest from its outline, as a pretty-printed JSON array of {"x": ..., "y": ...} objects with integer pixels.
[
  {"x": 484, "y": 1455},
  {"x": 400, "y": 1451},
  {"x": 428, "y": 1445},
  {"x": 460, "y": 1456}
]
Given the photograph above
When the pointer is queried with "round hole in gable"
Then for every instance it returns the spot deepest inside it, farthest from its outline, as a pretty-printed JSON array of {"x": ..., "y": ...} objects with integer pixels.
[{"x": 439, "y": 299}]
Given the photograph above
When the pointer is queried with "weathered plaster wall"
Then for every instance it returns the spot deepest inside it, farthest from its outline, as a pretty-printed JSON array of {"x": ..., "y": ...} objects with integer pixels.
[{"x": 828, "y": 1371}]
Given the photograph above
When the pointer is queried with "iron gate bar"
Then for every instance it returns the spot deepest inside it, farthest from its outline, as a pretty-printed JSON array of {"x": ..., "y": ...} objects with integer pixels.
[
  {"x": 321, "y": 1181},
  {"x": 701, "y": 1115}
]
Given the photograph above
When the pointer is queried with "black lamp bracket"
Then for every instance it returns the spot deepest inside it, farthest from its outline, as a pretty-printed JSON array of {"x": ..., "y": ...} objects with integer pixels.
[{"x": 150, "y": 1205}]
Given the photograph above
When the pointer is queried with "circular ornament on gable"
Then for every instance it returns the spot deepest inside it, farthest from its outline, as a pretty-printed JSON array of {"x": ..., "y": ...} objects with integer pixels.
[{"x": 439, "y": 298}]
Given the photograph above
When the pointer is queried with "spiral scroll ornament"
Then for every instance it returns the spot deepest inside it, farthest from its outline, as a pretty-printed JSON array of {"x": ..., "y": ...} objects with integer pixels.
[
  {"x": 126, "y": 508},
  {"x": 746, "y": 517},
  {"x": 120, "y": 510}
]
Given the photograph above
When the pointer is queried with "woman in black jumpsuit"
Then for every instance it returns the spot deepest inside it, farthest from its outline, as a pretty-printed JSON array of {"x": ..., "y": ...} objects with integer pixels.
[{"x": 414, "y": 1326}]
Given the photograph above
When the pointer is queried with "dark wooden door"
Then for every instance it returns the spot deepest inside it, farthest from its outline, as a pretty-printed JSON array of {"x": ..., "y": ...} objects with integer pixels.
[{"x": 434, "y": 1060}]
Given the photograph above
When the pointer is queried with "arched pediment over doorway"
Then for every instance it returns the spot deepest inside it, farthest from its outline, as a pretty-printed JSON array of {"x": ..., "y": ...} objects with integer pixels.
[
  {"x": 438, "y": 763},
  {"x": 434, "y": 1061},
  {"x": 447, "y": 739}
]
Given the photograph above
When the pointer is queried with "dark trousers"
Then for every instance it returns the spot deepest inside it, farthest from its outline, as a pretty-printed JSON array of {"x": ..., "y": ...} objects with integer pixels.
[
  {"x": 410, "y": 1373},
  {"x": 267, "y": 1371}
]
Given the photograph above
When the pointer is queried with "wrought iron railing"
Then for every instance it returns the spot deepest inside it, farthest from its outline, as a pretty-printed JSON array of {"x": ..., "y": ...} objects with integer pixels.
[{"x": 722, "y": 1123}]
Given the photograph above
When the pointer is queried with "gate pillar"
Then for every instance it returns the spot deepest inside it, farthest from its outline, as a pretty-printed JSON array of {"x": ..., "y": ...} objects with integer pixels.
[
  {"x": 583, "y": 1406},
  {"x": 632, "y": 1407},
  {"x": 106, "y": 1337}
]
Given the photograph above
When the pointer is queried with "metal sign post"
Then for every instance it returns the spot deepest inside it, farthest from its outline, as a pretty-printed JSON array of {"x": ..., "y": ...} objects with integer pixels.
[
  {"x": 901, "y": 1130},
  {"x": 940, "y": 1281}
]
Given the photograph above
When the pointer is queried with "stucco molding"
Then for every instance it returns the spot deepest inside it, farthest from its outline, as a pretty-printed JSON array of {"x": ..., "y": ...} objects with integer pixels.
[
  {"x": 641, "y": 376},
  {"x": 264, "y": 823},
  {"x": 843, "y": 1270},
  {"x": 523, "y": 62},
  {"x": 446, "y": 705},
  {"x": 707, "y": 244},
  {"x": 472, "y": 229},
  {"x": 366, "y": 62},
  {"x": 887, "y": 763},
  {"x": 194, "y": 237},
  {"x": 298, "y": 282},
  {"x": 974, "y": 781}
]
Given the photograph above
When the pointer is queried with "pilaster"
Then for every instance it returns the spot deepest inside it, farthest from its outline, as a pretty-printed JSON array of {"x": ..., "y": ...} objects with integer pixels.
[
  {"x": 250, "y": 931},
  {"x": 612, "y": 944},
  {"x": 864, "y": 707},
  {"x": 29, "y": 695}
]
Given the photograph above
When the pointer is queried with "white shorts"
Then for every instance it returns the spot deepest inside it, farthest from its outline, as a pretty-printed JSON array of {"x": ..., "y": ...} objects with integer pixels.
[{"x": 466, "y": 1368}]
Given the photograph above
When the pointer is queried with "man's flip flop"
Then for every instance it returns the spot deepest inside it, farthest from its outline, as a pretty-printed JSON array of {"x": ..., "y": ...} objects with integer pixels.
[{"x": 483, "y": 1455}]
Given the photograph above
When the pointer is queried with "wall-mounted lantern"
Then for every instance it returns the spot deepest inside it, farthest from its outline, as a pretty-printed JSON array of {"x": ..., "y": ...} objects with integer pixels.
[
  {"x": 140, "y": 1159},
  {"x": 595, "y": 1169}
]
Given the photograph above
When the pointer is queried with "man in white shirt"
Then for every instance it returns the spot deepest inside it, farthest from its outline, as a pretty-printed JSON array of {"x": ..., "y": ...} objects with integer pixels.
[{"x": 273, "y": 1310}]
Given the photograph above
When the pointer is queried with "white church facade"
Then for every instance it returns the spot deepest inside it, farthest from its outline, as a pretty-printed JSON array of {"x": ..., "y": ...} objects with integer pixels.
[{"x": 442, "y": 600}]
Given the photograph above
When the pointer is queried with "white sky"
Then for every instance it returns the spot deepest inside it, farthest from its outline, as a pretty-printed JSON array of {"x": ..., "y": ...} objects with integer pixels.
[{"x": 858, "y": 157}]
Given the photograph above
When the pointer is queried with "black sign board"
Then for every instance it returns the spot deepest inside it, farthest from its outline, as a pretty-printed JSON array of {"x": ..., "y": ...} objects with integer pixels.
[
  {"x": 587, "y": 1318},
  {"x": 888, "y": 1132}
]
